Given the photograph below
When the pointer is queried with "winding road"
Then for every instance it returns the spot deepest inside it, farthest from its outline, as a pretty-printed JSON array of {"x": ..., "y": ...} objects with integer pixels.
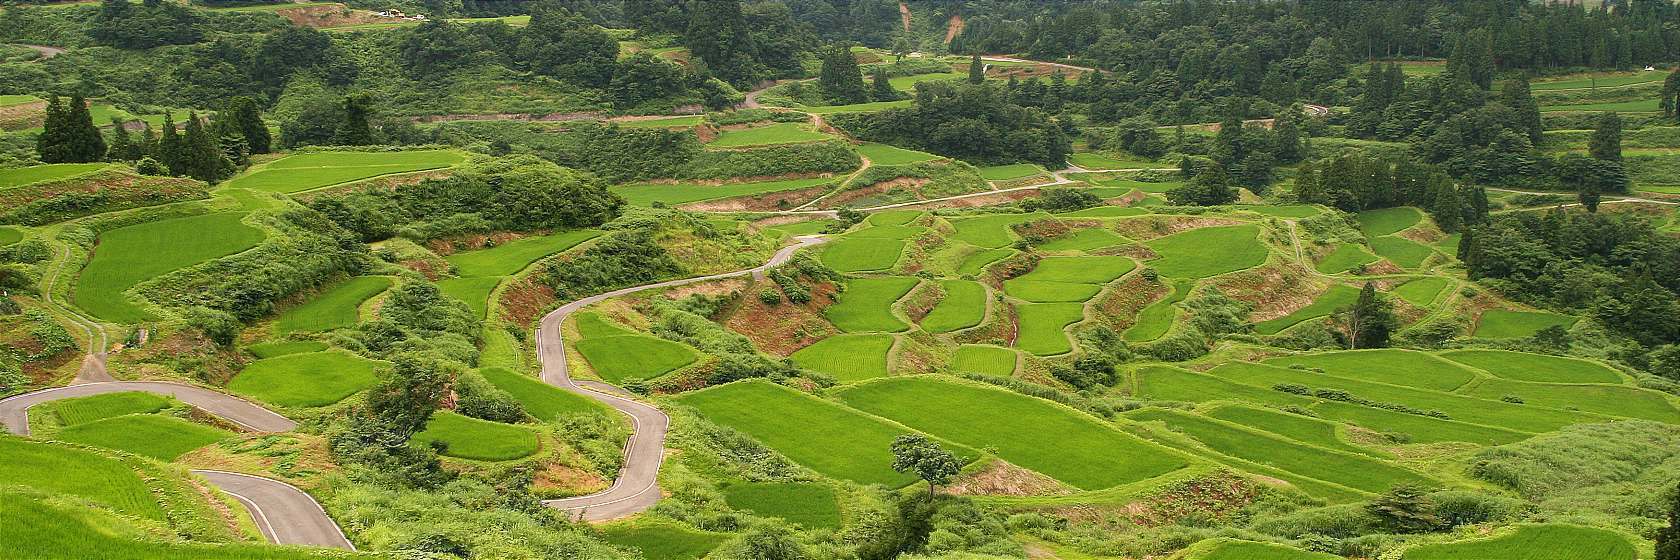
[
  {"x": 14, "y": 411},
  {"x": 637, "y": 486},
  {"x": 283, "y": 513}
]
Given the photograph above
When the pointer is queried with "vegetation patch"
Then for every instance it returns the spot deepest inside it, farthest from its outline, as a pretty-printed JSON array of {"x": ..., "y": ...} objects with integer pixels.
[
  {"x": 1539, "y": 368},
  {"x": 847, "y": 357},
  {"x": 1338, "y": 296},
  {"x": 1106, "y": 212},
  {"x": 1421, "y": 292},
  {"x": 19, "y": 176},
  {"x": 160, "y": 437},
  {"x": 43, "y": 530},
  {"x": 1085, "y": 239},
  {"x": 475, "y": 292},
  {"x": 276, "y": 349},
  {"x": 82, "y": 410},
  {"x": 858, "y": 254},
  {"x": 663, "y": 541},
  {"x": 866, "y": 305},
  {"x": 986, "y": 359},
  {"x": 779, "y": 133},
  {"x": 1612, "y": 400},
  {"x": 1386, "y": 365},
  {"x": 305, "y": 380},
  {"x": 1041, "y": 291},
  {"x": 1500, "y": 323},
  {"x": 976, "y": 262},
  {"x": 1347, "y": 256},
  {"x": 479, "y": 440},
  {"x": 1154, "y": 321},
  {"x": 963, "y": 306},
  {"x": 1402, "y": 251},
  {"x": 1206, "y": 252},
  {"x": 514, "y": 256},
  {"x": 1387, "y": 221},
  {"x": 9, "y": 236},
  {"x": 1226, "y": 549},
  {"x": 1008, "y": 172},
  {"x": 619, "y": 358},
  {"x": 75, "y": 472},
  {"x": 130, "y": 255},
  {"x": 884, "y": 154},
  {"x": 1305, "y": 429},
  {"x": 1084, "y": 270},
  {"x": 991, "y": 231},
  {"x": 813, "y": 506},
  {"x": 1552, "y": 542},
  {"x": 311, "y": 171},
  {"x": 1043, "y": 327},
  {"x": 334, "y": 308}
]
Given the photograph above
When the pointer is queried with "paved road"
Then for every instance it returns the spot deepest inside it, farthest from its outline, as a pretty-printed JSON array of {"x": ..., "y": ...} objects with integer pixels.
[
  {"x": 14, "y": 411},
  {"x": 284, "y": 514},
  {"x": 637, "y": 487}
]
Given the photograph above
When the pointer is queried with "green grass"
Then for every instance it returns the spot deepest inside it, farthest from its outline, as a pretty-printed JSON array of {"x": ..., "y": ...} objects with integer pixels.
[
  {"x": 1105, "y": 211},
  {"x": 1206, "y": 252},
  {"x": 1522, "y": 366},
  {"x": 779, "y": 133},
  {"x": 293, "y": 180},
  {"x": 806, "y": 227},
  {"x": 619, "y": 358},
  {"x": 980, "y": 358},
  {"x": 20, "y": 176},
  {"x": 991, "y": 231},
  {"x": 1086, "y": 239},
  {"x": 1305, "y": 429},
  {"x": 61, "y": 469},
  {"x": 1007, "y": 172},
  {"x": 812, "y": 506},
  {"x": 828, "y": 438},
  {"x": 893, "y": 217},
  {"x": 1388, "y": 221},
  {"x": 1500, "y": 323},
  {"x": 963, "y": 306},
  {"x": 595, "y": 325},
  {"x": 334, "y": 308},
  {"x": 475, "y": 292},
  {"x": 479, "y": 440},
  {"x": 670, "y": 122},
  {"x": 1042, "y": 291},
  {"x": 847, "y": 357},
  {"x": 866, "y": 304},
  {"x": 277, "y": 349},
  {"x": 540, "y": 400},
  {"x": 1613, "y": 400},
  {"x": 663, "y": 541},
  {"x": 1423, "y": 291},
  {"x": 357, "y": 159},
  {"x": 857, "y": 107},
  {"x": 1636, "y": 106},
  {"x": 1250, "y": 550},
  {"x": 1042, "y": 327},
  {"x": 1157, "y": 318},
  {"x": 37, "y": 530},
  {"x": 127, "y": 256},
  {"x": 160, "y": 437},
  {"x": 515, "y": 255},
  {"x": 857, "y": 254},
  {"x": 1347, "y": 256},
  {"x": 899, "y": 232},
  {"x": 1585, "y": 82},
  {"x": 1386, "y": 365},
  {"x": 17, "y": 99},
  {"x": 82, "y": 410},
  {"x": 305, "y": 380},
  {"x": 673, "y": 195},
  {"x": 1069, "y": 446},
  {"x": 908, "y": 83},
  {"x": 1098, "y": 162},
  {"x": 9, "y": 236},
  {"x": 1284, "y": 211},
  {"x": 883, "y": 154},
  {"x": 1155, "y": 187},
  {"x": 1336, "y": 297},
  {"x": 1402, "y": 251},
  {"x": 975, "y": 263},
  {"x": 1082, "y": 270},
  {"x": 1533, "y": 542}
]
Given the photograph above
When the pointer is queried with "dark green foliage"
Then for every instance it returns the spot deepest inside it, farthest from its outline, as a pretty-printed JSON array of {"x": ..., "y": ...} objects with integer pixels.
[
  {"x": 1668, "y": 538},
  {"x": 219, "y": 326},
  {"x": 312, "y": 251},
  {"x": 1355, "y": 181},
  {"x": 1287, "y": 146},
  {"x": 976, "y": 70},
  {"x": 122, "y": 24},
  {"x": 1369, "y": 321},
  {"x": 1590, "y": 177},
  {"x": 880, "y": 88},
  {"x": 1061, "y": 200},
  {"x": 357, "y": 127},
  {"x": 1086, "y": 372},
  {"x": 476, "y": 397},
  {"x": 242, "y": 116},
  {"x": 69, "y": 135},
  {"x": 840, "y": 80},
  {"x": 1137, "y": 135},
  {"x": 566, "y": 46},
  {"x": 915, "y": 453},
  {"x": 1472, "y": 58},
  {"x": 1606, "y": 142},
  {"x": 1405, "y": 509},
  {"x": 1210, "y": 187},
  {"x": 719, "y": 36},
  {"x": 378, "y": 432},
  {"x": 972, "y": 122},
  {"x": 623, "y": 258},
  {"x": 201, "y": 155},
  {"x": 1516, "y": 96},
  {"x": 641, "y": 78},
  {"x": 122, "y": 146},
  {"x": 171, "y": 148}
]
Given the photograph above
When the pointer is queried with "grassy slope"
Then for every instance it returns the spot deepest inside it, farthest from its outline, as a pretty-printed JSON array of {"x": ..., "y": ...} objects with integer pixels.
[
  {"x": 963, "y": 306},
  {"x": 1204, "y": 252},
  {"x": 847, "y": 357},
  {"x": 514, "y": 256},
  {"x": 866, "y": 305},
  {"x": 540, "y": 400},
  {"x": 334, "y": 308},
  {"x": 305, "y": 380},
  {"x": 62, "y": 469},
  {"x": 482, "y": 440},
  {"x": 160, "y": 437}
]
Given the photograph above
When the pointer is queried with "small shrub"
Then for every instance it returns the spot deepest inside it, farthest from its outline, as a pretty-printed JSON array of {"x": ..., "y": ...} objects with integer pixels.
[
  {"x": 1512, "y": 399},
  {"x": 770, "y": 296}
]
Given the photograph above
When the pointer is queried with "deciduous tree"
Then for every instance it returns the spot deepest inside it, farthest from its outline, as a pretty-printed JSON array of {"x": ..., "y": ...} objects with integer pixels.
[{"x": 915, "y": 453}]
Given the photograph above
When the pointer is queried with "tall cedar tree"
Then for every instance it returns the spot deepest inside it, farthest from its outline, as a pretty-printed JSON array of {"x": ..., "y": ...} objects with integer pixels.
[
  {"x": 1286, "y": 136},
  {"x": 840, "y": 79},
  {"x": 170, "y": 148},
  {"x": 68, "y": 135},
  {"x": 51, "y": 144},
  {"x": 1606, "y": 142},
  {"x": 357, "y": 129},
  {"x": 718, "y": 35},
  {"x": 976, "y": 70},
  {"x": 1670, "y": 101},
  {"x": 122, "y": 145},
  {"x": 1369, "y": 320},
  {"x": 881, "y": 87},
  {"x": 1472, "y": 58},
  {"x": 244, "y": 117},
  {"x": 1517, "y": 96},
  {"x": 201, "y": 154}
]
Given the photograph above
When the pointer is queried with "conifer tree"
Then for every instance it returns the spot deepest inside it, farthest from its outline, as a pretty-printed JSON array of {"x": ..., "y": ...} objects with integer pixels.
[
  {"x": 241, "y": 117},
  {"x": 169, "y": 147},
  {"x": 976, "y": 70},
  {"x": 883, "y": 90},
  {"x": 51, "y": 143},
  {"x": 1606, "y": 142},
  {"x": 84, "y": 143},
  {"x": 1286, "y": 136},
  {"x": 146, "y": 144},
  {"x": 1668, "y": 538},
  {"x": 357, "y": 129},
  {"x": 1368, "y": 321},
  {"x": 840, "y": 79},
  {"x": 201, "y": 157},
  {"x": 1517, "y": 95},
  {"x": 122, "y": 145}
]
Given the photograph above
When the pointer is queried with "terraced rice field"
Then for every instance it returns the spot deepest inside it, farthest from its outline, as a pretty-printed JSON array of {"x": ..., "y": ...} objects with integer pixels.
[
  {"x": 1042, "y": 327},
  {"x": 1099, "y": 162},
  {"x": 1636, "y": 106},
  {"x": 1336, "y": 297},
  {"x": 475, "y": 292},
  {"x": 479, "y": 440},
  {"x": 160, "y": 437},
  {"x": 808, "y": 505},
  {"x": 82, "y": 410},
  {"x": 305, "y": 380},
  {"x": 963, "y": 306},
  {"x": 990, "y": 231},
  {"x": 127, "y": 256},
  {"x": 1059, "y": 442},
  {"x": 669, "y": 122},
  {"x": 45, "y": 530},
  {"x": 1249, "y": 550},
  {"x": 1611, "y": 400},
  {"x": 9, "y": 236},
  {"x": 1086, "y": 239},
  {"x": 1387, "y": 221},
  {"x": 1386, "y": 365},
  {"x": 276, "y": 349},
  {"x": 1157, "y": 318},
  {"x": 1347, "y": 256},
  {"x": 1083, "y": 270},
  {"x": 1522, "y": 366},
  {"x": 515, "y": 255},
  {"x": 1609, "y": 80},
  {"x": 1500, "y": 323},
  {"x": 858, "y": 254},
  {"x": 304, "y": 172},
  {"x": 980, "y": 358},
  {"x": 847, "y": 357},
  {"x": 1402, "y": 251},
  {"x": 80, "y": 473},
  {"x": 779, "y": 133},
  {"x": 884, "y": 154},
  {"x": 20, "y": 176},
  {"x": 1285, "y": 211},
  {"x": 663, "y": 540},
  {"x": 866, "y": 304},
  {"x": 1009, "y": 172},
  {"x": 619, "y": 358},
  {"x": 1533, "y": 542},
  {"x": 1305, "y": 429},
  {"x": 646, "y": 194},
  {"x": 976, "y": 263},
  {"x": 1207, "y": 252},
  {"x": 334, "y": 308},
  {"x": 1106, "y": 211},
  {"x": 540, "y": 400},
  {"x": 1423, "y": 291},
  {"x": 1040, "y": 291}
]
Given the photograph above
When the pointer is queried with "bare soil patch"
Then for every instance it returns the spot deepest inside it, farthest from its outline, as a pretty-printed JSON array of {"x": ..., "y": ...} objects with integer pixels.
[
  {"x": 1150, "y": 227},
  {"x": 1120, "y": 305},
  {"x": 1001, "y": 478},
  {"x": 1275, "y": 290},
  {"x": 784, "y": 328}
]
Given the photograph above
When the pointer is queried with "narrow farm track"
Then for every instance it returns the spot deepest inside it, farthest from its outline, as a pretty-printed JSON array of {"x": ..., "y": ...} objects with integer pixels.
[
  {"x": 46, "y": 51},
  {"x": 637, "y": 486}
]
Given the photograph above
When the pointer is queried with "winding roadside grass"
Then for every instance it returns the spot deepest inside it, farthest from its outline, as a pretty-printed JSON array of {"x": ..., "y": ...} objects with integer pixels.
[
  {"x": 82, "y": 410},
  {"x": 1057, "y": 441},
  {"x": 515, "y": 255},
  {"x": 479, "y": 440},
  {"x": 807, "y": 504},
  {"x": 62, "y": 469},
  {"x": 20, "y": 176},
  {"x": 333, "y": 309},
  {"x": 847, "y": 357},
  {"x": 1157, "y": 318},
  {"x": 963, "y": 306},
  {"x": 540, "y": 400},
  {"x": 645, "y": 194},
  {"x": 1209, "y": 251},
  {"x": 1523, "y": 366},
  {"x": 866, "y": 304},
  {"x": 305, "y": 380},
  {"x": 1336, "y": 297},
  {"x": 1388, "y": 221},
  {"x": 160, "y": 437},
  {"x": 1500, "y": 323},
  {"x": 1043, "y": 327},
  {"x": 1423, "y": 291},
  {"x": 130, "y": 255},
  {"x": 595, "y": 325},
  {"x": 1533, "y": 542},
  {"x": 858, "y": 254},
  {"x": 1347, "y": 256},
  {"x": 1386, "y": 365},
  {"x": 663, "y": 540},
  {"x": 619, "y": 358},
  {"x": 986, "y": 359}
]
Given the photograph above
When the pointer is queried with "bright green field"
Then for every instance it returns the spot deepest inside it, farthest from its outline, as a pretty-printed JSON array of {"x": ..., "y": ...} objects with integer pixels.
[
  {"x": 980, "y": 358},
  {"x": 992, "y": 231},
  {"x": 305, "y": 380},
  {"x": 1041, "y": 291},
  {"x": 37, "y": 531},
  {"x": 1336, "y": 297},
  {"x": 1421, "y": 292},
  {"x": 857, "y": 107},
  {"x": 127, "y": 256},
  {"x": 663, "y": 541},
  {"x": 893, "y": 217},
  {"x": 1598, "y": 81},
  {"x": 617, "y": 358},
  {"x": 810, "y": 505},
  {"x": 440, "y": 158},
  {"x": 17, "y": 99},
  {"x": 856, "y": 254},
  {"x": 160, "y": 437},
  {"x": 1386, "y": 365},
  {"x": 884, "y": 154},
  {"x": 806, "y": 227},
  {"x": 480, "y": 440},
  {"x": 963, "y": 306},
  {"x": 1499, "y": 323},
  {"x": 1250, "y": 550},
  {"x": 1388, "y": 221},
  {"x": 866, "y": 304},
  {"x": 1056, "y": 441},
  {"x": 1156, "y": 319},
  {"x": 515, "y": 255},
  {"x": 847, "y": 357},
  {"x": 1533, "y": 542},
  {"x": 672, "y": 122},
  {"x": 334, "y": 308},
  {"x": 1284, "y": 211},
  {"x": 1098, "y": 162},
  {"x": 595, "y": 325},
  {"x": 61, "y": 469},
  {"x": 1088, "y": 238},
  {"x": 1205, "y": 252},
  {"x": 975, "y": 263},
  {"x": 1007, "y": 172},
  {"x": 540, "y": 400},
  {"x": 908, "y": 83},
  {"x": 1522, "y": 366},
  {"x": 9, "y": 236},
  {"x": 649, "y": 193},
  {"x": 779, "y": 133},
  {"x": 475, "y": 292},
  {"x": 1615, "y": 400},
  {"x": 82, "y": 410},
  {"x": 1636, "y": 106},
  {"x": 1083, "y": 270},
  {"x": 1401, "y": 251},
  {"x": 1305, "y": 429},
  {"x": 19, "y": 176},
  {"x": 299, "y": 179},
  {"x": 1359, "y": 472},
  {"x": 1106, "y": 212},
  {"x": 899, "y": 232},
  {"x": 826, "y": 437},
  {"x": 1042, "y": 327},
  {"x": 277, "y": 349},
  {"x": 1346, "y": 257}
]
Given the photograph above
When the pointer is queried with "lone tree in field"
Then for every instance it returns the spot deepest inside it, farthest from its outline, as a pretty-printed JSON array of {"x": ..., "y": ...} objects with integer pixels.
[
  {"x": 976, "y": 70},
  {"x": 68, "y": 135},
  {"x": 1668, "y": 538},
  {"x": 840, "y": 79},
  {"x": 925, "y": 457},
  {"x": 1606, "y": 143},
  {"x": 1368, "y": 321}
]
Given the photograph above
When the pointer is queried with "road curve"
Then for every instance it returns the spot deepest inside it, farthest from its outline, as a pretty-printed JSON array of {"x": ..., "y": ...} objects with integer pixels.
[
  {"x": 637, "y": 486},
  {"x": 14, "y": 410},
  {"x": 283, "y": 513}
]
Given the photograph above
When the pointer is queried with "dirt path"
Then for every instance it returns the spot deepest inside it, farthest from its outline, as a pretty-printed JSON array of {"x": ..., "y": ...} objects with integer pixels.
[
  {"x": 283, "y": 513},
  {"x": 637, "y": 486},
  {"x": 46, "y": 51}
]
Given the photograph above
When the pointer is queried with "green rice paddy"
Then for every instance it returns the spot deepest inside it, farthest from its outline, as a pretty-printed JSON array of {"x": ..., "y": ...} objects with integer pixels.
[
  {"x": 1305, "y": 429},
  {"x": 9, "y": 236},
  {"x": 976, "y": 263},
  {"x": 1284, "y": 211},
  {"x": 1086, "y": 239},
  {"x": 515, "y": 255},
  {"x": 663, "y": 541},
  {"x": 334, "y": 308},
  {"x": 127, "y": 256},
  {"x": 1522, "y": 366},
  {"x": 479, "y": 440},
  {"x": 1009, "y": 172},
  {"x": 1206, "y": 252},
  {"x": 1043, "y": 327},
  {"x": 1347, "y": 256},
  {"x": 1249, "y": 550},
  {"x": 82, "y": 410},
  {"x": 1586, "y": 82},
  {"x": 866, "y": 304},
  {"x": 1388, "y": 221},
  {"x": 20, "y": 176},
  {"x": 779, "y": 133},
  {"x": 1610, "y": 400},
  {"x": 276, "y": 349},
  {"x": 1083, "y": 270},
  {"x": 645, "y": 194},
  {"x": 160, "y": 437},
  {"x": 1338, "y": 296},
  {"x": 305, "y": 380},
  {"x": 986, "y": 359},
  {"x": 1637, "y": 106},
  {"x": 619, "y": 358},
  {"x": 1099, "y": 162},
  {"x": 858, "y": 254},
  {"x": 540, "y": 400},
  {"x": 813, "y": 506},
  {"x": 1423, "y": 291},
  {"x": 1386, "y": 365},
  {"x": 41, "y": 530},
  {"x": 304, "y": 172},
  {"x": 1500, "y": 323},
  {"x": 61, "y": 469},
  {"x": 884, "y": 154},
  {"x": 475, "y": 292},
  {"x": 1154, "y": 320},
  {"x": 689, "y": 121},
  {"x": 963, "y": 306},
  {"x": 990, "y": 231},
  {"x": 1533, "y": 542},
  {"x": 847, "y": 357},
  {"x": 1402, "y": 251}
]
